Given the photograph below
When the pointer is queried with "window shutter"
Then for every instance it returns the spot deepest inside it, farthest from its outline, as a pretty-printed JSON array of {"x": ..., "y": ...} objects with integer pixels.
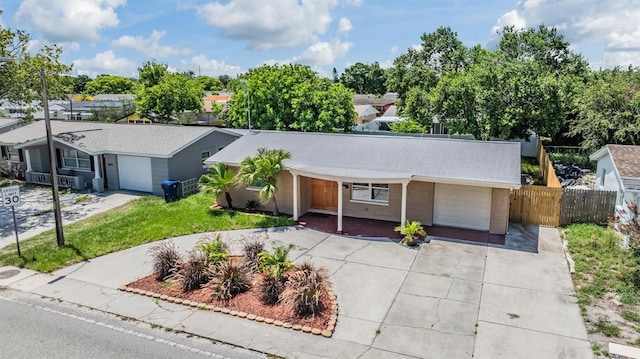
[
  {"x": 92, "y": 166},
  {"x": 5, "y": 155},
  {"x": 21, "y": 155}
]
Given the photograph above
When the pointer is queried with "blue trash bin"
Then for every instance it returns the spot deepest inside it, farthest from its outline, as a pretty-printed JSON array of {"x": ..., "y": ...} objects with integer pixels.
[{"x": 170, "y": 188}]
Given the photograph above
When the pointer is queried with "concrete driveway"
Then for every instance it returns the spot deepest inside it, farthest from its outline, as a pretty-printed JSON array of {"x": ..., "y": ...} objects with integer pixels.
[{"x": 444, "y": 300}]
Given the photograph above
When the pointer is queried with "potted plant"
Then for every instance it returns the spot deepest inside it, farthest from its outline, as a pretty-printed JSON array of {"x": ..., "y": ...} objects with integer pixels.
[{"x": 412, "y": 232}]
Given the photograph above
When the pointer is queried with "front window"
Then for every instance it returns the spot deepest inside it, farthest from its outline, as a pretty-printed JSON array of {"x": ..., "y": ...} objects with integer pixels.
[
  {"x": 13, "y": 154},
  {"x": 370, "y": 192},
  {"x": 205, "y": 155},
  {"x": 76, "y": 159}
]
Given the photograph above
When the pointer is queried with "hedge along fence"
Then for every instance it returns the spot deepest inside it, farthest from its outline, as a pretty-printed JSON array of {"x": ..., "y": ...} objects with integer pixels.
[
  {"x": 553, "y": 206},
  {"x": 546, "y": 168}
]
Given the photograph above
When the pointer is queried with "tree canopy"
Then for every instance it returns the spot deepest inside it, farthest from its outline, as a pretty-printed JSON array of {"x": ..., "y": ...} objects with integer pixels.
[
  {"x": 364, "y": 79},
  {"x": 526, "y": 85},
  {"x": 210, "y": 83},
  {"x": 19, "y": 78},
  {"x": 109, "y": 84},
  {"x": 608, "y": 109},
  {"x": 289, "y": 97},
  {"x": 166, "y": 94}
]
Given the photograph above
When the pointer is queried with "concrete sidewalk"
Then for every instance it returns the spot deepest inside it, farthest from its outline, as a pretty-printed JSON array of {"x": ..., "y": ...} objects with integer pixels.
[
  {"x": 446, "y": 299},
  {"x": 31, "y": 223}
]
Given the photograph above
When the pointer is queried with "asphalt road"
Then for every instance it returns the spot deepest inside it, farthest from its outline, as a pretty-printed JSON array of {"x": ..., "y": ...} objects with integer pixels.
[{"x": 33, "y": 327}]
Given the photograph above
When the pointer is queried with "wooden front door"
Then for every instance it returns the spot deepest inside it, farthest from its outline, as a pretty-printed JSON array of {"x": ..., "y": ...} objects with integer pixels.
[{"x": 324, "y": 195}]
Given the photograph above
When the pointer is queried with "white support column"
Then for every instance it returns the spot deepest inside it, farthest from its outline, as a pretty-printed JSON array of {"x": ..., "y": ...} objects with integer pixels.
[
  {"x": 96, "y": 167},
  {"x": 295, "y": 197},
  {"x": 339, "y": 207},
  {"x": 27, "y": 158},
  {"x": 403, "y": 208}
]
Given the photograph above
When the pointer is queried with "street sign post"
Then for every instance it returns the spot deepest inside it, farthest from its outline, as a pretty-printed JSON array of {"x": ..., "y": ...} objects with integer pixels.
[{"x": 11, "y": 198}]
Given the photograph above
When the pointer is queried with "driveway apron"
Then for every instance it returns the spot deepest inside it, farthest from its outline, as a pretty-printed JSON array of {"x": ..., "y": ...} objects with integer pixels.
[{"x": 445, "y": 299}]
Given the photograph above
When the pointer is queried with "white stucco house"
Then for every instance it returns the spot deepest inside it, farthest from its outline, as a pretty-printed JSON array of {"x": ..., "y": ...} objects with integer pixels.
[{"x": 619, "y": 170}]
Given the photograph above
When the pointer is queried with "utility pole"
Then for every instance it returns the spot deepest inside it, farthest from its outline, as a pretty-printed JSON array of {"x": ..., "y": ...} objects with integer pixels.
[{"x": 52, "y": 161}]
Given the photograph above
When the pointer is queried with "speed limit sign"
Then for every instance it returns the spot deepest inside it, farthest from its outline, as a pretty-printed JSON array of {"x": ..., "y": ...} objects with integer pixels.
[{"x": 10, "y": 196}]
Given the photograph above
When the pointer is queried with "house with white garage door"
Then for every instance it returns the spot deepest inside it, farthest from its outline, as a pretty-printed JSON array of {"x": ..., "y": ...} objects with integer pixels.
[
  {"x": 115, "y": 156},
  {"x": 437, "y": 181}
]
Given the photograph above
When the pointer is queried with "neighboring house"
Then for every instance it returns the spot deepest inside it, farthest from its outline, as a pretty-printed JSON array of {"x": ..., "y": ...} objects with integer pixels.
[
  {"x": 365, "y": 113},
  {"x": 619, "y": 170},
  {"x": 456, "y": 183},
  {"x": 381, "y": 104},
  {"x": 208, "y": 116},
  {"x": 86, "y": 110},
  {"x": 115, "y": 156},
  {"x": 8, "y": 124}
]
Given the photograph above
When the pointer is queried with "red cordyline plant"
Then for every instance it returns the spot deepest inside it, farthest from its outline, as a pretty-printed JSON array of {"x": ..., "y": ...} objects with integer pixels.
[{"x": 627, "y": 223}]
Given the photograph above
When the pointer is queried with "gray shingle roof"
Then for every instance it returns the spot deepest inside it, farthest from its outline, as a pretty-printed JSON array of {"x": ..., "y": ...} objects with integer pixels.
[
  {"x": 99, "y": 137},
  {"x": 385, "y": 157}
]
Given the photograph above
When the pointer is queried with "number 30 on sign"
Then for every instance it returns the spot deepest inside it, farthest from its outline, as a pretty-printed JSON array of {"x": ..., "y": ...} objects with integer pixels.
[{"x": 10, "y": 196}]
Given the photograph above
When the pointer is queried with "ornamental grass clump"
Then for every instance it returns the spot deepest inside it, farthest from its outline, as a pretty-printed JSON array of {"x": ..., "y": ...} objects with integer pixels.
[
  {"x": 304, "y": 289},
  {"x": 252, "y": 246},
  {"x": 193, "y": 271},
  {"x": 165, "y": 259},
  {"x": 229, "y": 279}
]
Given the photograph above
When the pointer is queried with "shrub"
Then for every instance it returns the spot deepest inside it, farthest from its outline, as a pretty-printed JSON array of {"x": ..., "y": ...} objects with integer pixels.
[
  {"x": 304, "y": 289},
  {"x": 270, "y": 289},
  {"x": 412, "y": 232},
  {"x": 276, "y": 263},
  {"x": 165, "y": 259},
  {"x": 213, "y": 247},
  {"x": 229, "y": 279},
  {"x": 252, "y": 246},
  {"x": 193, "y": 271},
  {"x": 252, "y": 206}
]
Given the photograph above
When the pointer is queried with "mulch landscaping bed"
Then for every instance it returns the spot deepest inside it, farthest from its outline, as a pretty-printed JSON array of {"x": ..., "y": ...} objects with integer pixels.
[{"x": 245, "y": 305}]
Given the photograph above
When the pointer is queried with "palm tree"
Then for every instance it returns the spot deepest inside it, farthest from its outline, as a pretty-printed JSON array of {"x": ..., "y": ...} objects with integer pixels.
[
  {"x": 263, "y": 170},
  {"x": 217, "y": 181}
]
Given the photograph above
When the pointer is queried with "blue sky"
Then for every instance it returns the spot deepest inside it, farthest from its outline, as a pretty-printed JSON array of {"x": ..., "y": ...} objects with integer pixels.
[{"x": 229, "y": 37}]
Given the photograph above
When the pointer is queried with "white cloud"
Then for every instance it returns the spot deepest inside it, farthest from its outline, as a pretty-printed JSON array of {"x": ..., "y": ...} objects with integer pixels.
[
  {"x": 203, "y": 65},
  {"x": 106, "y": 63},
  {"x": 612, "y": 24},
  {"x": 323, "y": 53},
  {"x": 270, "y": 24},
  {"x": 393, "y": 49},
  {"x": 344, "y": 25},
  {"x": 69, "y": 20},
  {"x": 149, "y": 46}
]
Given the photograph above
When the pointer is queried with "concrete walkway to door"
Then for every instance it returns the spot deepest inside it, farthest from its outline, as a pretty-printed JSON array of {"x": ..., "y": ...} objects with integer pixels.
[{"x": 445, "y": 299}]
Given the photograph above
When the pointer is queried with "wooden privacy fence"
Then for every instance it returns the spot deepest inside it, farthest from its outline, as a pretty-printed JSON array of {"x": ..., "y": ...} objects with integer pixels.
[
  {"x": 553, "y": 206},
  {"x": 546, "y": 168}
]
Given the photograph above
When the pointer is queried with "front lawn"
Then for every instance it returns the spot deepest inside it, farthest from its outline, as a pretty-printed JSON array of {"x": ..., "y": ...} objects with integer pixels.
[
  {"x": 606, "y": 282},
  {"x": 144, "y": 220}
]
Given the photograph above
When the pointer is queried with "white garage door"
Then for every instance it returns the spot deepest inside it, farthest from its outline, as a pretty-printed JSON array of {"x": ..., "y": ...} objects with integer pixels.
[
  {"x": 462, "y": 206},
  {"x": 135, "y": 173}
]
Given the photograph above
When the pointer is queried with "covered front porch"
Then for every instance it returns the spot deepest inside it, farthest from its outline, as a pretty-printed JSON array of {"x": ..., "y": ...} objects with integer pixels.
[{"x": 372, "y": 228}]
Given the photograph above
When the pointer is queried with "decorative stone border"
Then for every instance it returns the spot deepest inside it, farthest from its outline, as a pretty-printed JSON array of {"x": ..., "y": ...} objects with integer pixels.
[{"x": 326, "y": 332}]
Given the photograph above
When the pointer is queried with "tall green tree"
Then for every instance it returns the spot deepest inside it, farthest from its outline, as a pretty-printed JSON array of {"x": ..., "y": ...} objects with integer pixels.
[
  {"x": 440, "y": 53},
  {"x": 209, "y": 83},
  {"x": 19, "y": 72},
  {"x": 80, "y": 83},
  {"x": 270, "y": 92},
  {"x": 218, "y": 180},
  {"x": 109, "y": 84},
  {"x": 263, "y": 170},
  {"x": 166, "y": 94},
  {"x": 365, "y": 79},
  {"x": 608, "y": 109},
  {"x": 225, "y": 80}
]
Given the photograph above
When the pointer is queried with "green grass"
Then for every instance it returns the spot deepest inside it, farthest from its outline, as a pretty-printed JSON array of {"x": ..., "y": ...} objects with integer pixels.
[
  {"x": 82, "y": 199},
  {"x": 601, "y": 264},
  {"x": 631, "y": 316},
  {"x": 530, "y": 165},
  {"x": 141, "y": 221},
  {"x": 606, "y": 328}
]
